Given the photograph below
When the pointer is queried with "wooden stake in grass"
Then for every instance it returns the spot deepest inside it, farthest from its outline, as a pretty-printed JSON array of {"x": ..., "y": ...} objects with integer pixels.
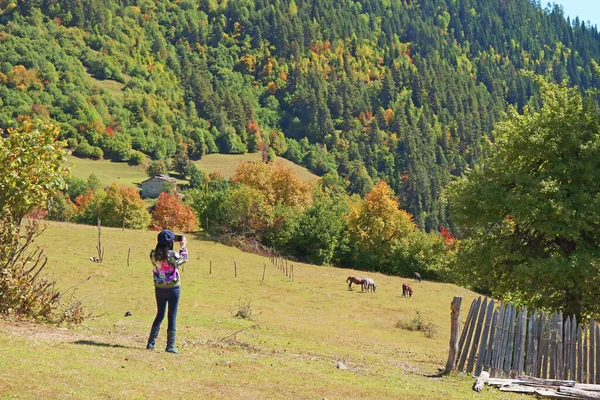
[
  {"x": 99, "y": 247},
  {"x": 264, "y": 270},
  {"x": 128, "y": 254},
  {"x": 454, "y": 333},
  {"x": 210, "y": 270},
  {"x": 235, "y": 269}
]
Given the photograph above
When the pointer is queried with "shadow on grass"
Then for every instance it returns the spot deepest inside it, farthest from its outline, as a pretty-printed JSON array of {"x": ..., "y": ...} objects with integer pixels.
[{"x": 100, "y": 344}]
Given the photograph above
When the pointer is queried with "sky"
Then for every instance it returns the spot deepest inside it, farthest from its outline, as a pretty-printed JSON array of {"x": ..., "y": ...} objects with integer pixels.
[{"x": 587, "y": 10}]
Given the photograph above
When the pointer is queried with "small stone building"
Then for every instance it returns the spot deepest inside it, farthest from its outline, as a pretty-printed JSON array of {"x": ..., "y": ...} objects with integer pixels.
[{"x": 154, "y": 186}]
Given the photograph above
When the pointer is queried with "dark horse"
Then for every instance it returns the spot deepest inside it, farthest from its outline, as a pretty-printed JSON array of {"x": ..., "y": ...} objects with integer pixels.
[
  {"x": 356, "y": 280},
  {"x": 418, "y": 277},
  {"x": 406, "y": 290}
]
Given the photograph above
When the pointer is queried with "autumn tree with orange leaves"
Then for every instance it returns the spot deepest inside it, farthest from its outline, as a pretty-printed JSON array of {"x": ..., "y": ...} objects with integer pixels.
[
  {"x": 376, "y": 224},
  {"x": 170, "y": 212},
  {"x": 279, "y": 185}
]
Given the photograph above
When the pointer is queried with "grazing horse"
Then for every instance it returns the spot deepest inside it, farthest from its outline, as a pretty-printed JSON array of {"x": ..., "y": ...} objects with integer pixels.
[
  {"x": 356, "y": 280},
  {"x": 406, "y": 290},
  {"x": 369, "y": 284},
  {"x": 418, "y": 277}
]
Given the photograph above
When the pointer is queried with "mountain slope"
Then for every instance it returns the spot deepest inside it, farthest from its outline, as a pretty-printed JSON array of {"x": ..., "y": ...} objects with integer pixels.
[{"x": 405, "y": 91}]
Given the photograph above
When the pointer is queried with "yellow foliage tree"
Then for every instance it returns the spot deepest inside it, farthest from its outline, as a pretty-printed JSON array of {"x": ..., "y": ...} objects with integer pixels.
[
  {"x": 376, "y": 223},
  {"x": 277, "y": 183},
  {"x": 288, "y": 188}
]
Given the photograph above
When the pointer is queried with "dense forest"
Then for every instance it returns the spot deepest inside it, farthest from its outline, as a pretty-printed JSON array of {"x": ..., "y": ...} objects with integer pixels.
[{"x": 405, "y": 91}]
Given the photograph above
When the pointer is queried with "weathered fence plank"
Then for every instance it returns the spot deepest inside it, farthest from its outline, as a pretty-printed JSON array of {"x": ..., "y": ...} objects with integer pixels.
[
  {"x": 553, "y": 346},
  {"x": 497, "y": 340},
  {"x": 511, "y": 341},
  {"x": 483, "y": 342},
  {"x": 522, "y": 332},
  {"x": 536, "y": 344},
  {"x": 463, "y": 335},
  {"x": 546, "y": 324},
  {"x": 517, "y": 345},
  {"x": 566, "y": 367},
  {"x": 592, "y": 376},
  {"x": 464, "y": 349},
  {"x": 573, "y": 360},
  {"x": 585, "y": 355},
  {"x": 504, "y": 345},
  {"x": 491, "y": 349},
  {"x": 474, "y": 347},
  {"x": 579, "y": 354},
  {"x": 529, "y": 356},
  {"x": 597, "y": 380},
  {"x": 559, "y": 347}
]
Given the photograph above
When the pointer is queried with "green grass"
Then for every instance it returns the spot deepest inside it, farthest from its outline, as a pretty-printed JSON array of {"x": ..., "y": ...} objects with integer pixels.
[
  {"x": 133, "y": 175},
  {"x": 289, "y": 348},
  {"x": 226, "y": 164},
  {"x": 113, "y": 87},
  {"x": 110, "y": 172}
]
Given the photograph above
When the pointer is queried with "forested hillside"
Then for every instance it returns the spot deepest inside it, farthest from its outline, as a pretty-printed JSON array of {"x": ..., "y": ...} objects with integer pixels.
[{"x": 405, "y": 91}]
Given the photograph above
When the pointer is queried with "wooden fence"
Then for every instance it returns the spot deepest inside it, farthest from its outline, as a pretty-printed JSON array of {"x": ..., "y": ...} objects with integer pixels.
[{"x": 508, "y": 342}]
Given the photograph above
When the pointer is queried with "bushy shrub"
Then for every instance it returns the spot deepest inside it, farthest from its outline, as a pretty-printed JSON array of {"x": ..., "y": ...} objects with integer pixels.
[
  {"x": 136, "y": 157},
  {"x": 33, "y": 159}
]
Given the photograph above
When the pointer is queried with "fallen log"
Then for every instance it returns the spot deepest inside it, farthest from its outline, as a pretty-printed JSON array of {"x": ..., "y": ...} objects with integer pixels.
[
  {"x": 588, "y": 386},
  {"x": 582, "y": 394},
  {"x": 546, "y": 382},
  {"x": 518, "y": 389},
  {"x": 553, "y": 394}
]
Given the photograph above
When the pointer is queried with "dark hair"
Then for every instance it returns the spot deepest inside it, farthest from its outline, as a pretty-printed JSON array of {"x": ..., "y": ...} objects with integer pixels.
[{"x": 161, "y": 252}]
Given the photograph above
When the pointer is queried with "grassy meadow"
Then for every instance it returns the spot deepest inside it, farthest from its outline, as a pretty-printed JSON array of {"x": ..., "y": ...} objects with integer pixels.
[
  {"x": 133, "y": 175},
  {"x": 289, "y": 348},
  {"x": 107, "y": 171},
  {"x": 113, "y": 87},
  {"x": 226, "y": 165}
]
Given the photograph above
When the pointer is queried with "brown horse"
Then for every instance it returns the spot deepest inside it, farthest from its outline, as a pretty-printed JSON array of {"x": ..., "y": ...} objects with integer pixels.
[
  {"x": 406, "y": 290},
  {"x": 356, "y": 280}
]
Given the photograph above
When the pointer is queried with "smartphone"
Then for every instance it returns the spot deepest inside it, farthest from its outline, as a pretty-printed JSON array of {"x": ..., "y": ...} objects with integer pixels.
[{"x": 178, "y": 238}]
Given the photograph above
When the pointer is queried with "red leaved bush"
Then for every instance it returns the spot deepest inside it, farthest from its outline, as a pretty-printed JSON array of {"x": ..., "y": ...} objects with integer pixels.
[{"x": 170, "y": 212}]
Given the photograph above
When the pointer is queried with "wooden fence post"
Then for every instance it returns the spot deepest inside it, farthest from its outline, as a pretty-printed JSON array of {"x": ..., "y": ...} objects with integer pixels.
[
  {"x": 235, "y": 269},
  {"x": 210, "y": 270},
  {"x": 128, "y": 254},
  {"x": 454, "y": 333},
  {"x": 264, "y": 270}
]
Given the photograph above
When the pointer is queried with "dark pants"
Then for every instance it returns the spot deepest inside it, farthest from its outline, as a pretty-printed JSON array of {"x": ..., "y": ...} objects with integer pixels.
[{"x": 163, "y": 297}]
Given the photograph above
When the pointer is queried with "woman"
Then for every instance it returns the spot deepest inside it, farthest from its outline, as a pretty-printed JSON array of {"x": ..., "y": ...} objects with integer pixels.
[{"x": 166, "y": 285}]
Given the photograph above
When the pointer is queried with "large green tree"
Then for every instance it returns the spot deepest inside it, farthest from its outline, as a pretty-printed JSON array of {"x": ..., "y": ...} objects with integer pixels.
[
  {"x": 32, "y": 163},
  {"x": 530, "y": 213}
]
